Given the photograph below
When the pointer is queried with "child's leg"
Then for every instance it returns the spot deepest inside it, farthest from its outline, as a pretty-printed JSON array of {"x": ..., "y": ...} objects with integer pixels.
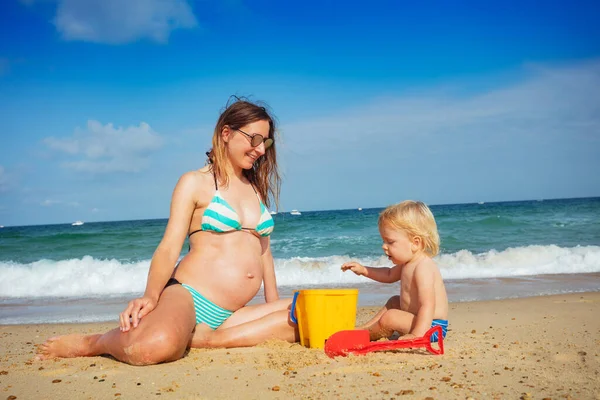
[
  {"x": 393, "y": 302},
  {"x": 389, "y": 319},
  {"x": 392, "y": 321}
]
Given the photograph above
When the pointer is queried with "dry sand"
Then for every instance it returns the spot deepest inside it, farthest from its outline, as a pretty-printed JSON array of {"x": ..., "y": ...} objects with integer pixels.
[{"x": 539, "y": 348}]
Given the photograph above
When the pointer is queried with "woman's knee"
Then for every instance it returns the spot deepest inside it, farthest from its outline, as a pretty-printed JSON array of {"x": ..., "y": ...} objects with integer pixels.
[{"x": 153, "y": 346}]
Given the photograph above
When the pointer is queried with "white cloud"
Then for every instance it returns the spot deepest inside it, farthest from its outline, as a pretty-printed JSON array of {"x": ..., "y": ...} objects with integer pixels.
[
  {"x": 104, "y": 148},
  {"x": 537, "y": 135},
  {"x": 121, "y": 21},
  {"x": 550, "y": 101},
  {"x": 50, "y": 202}
]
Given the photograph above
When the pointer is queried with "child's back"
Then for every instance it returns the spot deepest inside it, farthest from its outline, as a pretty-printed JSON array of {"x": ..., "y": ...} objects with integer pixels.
[{"x": 426, "y": 271}]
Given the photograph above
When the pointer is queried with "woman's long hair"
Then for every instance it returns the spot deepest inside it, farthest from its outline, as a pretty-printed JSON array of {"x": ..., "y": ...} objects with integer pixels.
[{"x": 263, "y": 175}]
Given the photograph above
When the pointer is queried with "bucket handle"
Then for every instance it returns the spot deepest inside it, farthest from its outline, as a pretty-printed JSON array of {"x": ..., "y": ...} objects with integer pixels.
[{"x": 293, "y": 308}]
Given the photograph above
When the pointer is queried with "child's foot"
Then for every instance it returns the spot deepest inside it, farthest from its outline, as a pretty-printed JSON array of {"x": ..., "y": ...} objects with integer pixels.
[
  {"x": 66, "y": 346},
  {"x": 377, "y": 332}
]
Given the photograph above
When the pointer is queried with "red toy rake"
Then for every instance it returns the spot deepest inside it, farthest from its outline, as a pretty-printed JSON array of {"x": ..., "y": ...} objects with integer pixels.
[{"x": 343, "y": 343}]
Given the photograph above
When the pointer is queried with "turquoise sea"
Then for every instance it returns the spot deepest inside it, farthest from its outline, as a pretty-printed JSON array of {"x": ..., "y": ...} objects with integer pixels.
[{"x": 66, "y": 273}]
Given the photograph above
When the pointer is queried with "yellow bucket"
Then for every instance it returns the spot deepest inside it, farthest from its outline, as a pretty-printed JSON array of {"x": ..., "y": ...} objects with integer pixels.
[{"x": 322, "y": 312}]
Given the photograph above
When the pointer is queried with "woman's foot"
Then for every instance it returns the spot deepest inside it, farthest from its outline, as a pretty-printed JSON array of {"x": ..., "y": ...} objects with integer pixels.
[{"x": 67, "y": 346}]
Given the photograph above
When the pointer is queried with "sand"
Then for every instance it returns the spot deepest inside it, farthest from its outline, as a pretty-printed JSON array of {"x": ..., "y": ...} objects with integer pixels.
[{"x": 539, "y": 347}]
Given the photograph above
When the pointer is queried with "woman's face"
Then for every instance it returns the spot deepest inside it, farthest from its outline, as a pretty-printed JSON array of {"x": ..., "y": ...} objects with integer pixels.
[{"x": 240, "y": 151}]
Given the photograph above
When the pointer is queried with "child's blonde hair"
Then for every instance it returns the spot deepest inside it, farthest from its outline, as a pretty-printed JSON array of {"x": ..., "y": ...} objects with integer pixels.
[{"x": 416, "y": 219}]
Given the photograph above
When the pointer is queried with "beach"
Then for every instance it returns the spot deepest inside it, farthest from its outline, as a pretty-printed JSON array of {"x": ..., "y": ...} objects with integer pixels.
[{"x": 543, "y": 347}]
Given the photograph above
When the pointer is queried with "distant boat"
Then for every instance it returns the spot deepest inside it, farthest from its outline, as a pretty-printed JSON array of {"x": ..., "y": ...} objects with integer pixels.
[
  {"x": 1, "y": 226},
  {"x": 295, "y": 212},
  {"x": 481, "y": 202},
  {"x": 77, "y": 223},
  {"x": 359, "y": 208},
  {"x": 273, "y": 212}
]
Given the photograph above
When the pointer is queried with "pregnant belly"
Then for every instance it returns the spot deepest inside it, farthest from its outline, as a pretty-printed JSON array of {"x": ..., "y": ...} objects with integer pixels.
[{"x": 229, "y": 283}]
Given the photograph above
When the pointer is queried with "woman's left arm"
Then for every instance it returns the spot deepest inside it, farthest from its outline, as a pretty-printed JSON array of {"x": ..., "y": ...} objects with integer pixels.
[{"x": 269, "y": 279}]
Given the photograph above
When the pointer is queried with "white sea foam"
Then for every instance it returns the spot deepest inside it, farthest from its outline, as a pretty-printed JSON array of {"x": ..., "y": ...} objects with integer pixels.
[
  {"x": 520, "y": 261},
  {"x": 89, "y": 277},
  {"x": 85, "y": 277}
]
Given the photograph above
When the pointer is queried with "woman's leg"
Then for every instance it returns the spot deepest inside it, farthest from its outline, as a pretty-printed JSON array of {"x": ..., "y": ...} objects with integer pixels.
[
  {"x": 162, "y": 335},
  {"x": 249, "y": 326},
  {"x": 254, "y": 312}
]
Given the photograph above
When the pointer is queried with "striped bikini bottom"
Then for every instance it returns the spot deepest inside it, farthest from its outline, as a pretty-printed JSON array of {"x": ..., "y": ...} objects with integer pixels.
[{"x": 207, "y": 312}]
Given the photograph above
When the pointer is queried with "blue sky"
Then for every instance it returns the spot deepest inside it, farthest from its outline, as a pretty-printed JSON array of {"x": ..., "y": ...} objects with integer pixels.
[{"x": 105, "y": 103}]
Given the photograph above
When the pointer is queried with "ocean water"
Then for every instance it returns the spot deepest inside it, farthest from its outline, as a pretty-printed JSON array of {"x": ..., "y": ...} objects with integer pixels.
[{"x": 65, "y": 273}]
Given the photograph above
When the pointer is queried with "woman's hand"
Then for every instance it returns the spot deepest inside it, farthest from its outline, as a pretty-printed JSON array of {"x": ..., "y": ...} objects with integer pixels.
[
  {"x": 355, "y": 267},
  {"x": 136, "y": 309}
]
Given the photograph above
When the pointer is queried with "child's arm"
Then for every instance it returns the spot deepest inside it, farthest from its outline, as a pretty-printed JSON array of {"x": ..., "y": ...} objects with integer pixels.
[
  {"x": 424, "y": 280},
  {"x": 383, "y": 274}
]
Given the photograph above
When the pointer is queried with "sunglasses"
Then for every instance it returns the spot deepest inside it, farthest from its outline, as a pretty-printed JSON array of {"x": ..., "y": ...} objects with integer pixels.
[{"x": 256, "y": 139}]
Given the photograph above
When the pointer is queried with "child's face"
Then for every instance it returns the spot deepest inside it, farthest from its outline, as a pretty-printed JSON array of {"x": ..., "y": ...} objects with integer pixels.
[{"x": 397, "y": 245}]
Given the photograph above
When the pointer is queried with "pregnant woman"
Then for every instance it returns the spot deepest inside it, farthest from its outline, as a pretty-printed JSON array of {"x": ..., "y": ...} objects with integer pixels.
[{"x": 223, "y": 209}]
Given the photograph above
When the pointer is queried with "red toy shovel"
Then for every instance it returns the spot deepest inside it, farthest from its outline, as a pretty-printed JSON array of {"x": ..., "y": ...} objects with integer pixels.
[{"x": 343, "y": 343}]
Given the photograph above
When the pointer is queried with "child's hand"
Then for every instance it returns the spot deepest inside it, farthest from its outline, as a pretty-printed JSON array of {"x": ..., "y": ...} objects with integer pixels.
[{"x": 355, "y": 267}]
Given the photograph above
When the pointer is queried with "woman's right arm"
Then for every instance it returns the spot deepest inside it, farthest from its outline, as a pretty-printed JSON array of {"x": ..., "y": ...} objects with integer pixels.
[{"x": 183, "y": 203}]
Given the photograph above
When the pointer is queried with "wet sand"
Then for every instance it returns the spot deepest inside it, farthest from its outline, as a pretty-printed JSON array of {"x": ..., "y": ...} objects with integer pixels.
[{"x": 539, "y": 347}]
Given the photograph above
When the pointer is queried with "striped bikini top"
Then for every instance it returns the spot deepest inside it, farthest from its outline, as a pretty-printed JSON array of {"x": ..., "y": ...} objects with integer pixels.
[{"x": 220, "y": 217}]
